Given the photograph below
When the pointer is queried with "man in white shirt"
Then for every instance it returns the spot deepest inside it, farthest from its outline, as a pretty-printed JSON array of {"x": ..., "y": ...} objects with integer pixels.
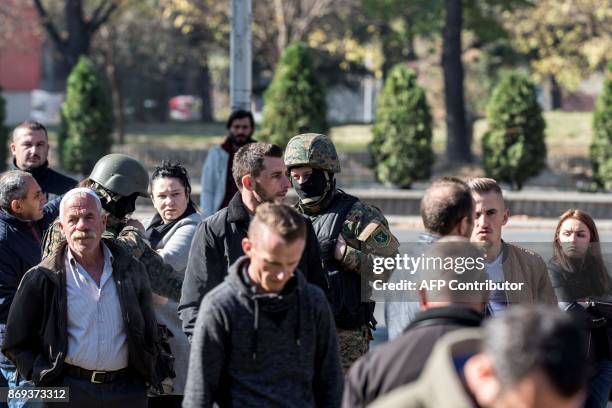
[{"x": 83, "y": 317}]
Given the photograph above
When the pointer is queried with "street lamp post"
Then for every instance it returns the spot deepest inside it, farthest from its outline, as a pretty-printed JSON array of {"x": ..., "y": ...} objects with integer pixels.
[{"x": 241, "y": 55}]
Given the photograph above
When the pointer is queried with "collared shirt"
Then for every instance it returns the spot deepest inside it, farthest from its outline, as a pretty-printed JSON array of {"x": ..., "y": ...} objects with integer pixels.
[{"x": 96, "y": 333}]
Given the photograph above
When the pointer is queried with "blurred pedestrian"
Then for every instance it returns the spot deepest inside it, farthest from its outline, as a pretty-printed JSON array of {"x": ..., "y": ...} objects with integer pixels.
[
  {"x": 529, "y": 357},
  {"x": 218, "y": 186}
]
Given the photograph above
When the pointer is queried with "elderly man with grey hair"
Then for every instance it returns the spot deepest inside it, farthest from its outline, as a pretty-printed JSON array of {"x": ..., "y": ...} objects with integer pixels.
[
  {"x": 83, "y": 317},
  {"x": 24, "y": 217}
]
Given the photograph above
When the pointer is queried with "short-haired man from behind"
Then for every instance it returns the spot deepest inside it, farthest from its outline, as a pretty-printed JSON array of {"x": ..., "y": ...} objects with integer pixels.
[
  {"x": 218, "y": 186},
  {"x": 506, "y": 262},
  {"x": 261, "y": 176},
  {"x": 400, "y": 361},
  {"x": 446, "y": 210},
  {"x": 83, "y": 318},
  {"x": 529, "y": 357},
  {"x": 266, "y": 337},
  {"x": 30, "y": 148}
]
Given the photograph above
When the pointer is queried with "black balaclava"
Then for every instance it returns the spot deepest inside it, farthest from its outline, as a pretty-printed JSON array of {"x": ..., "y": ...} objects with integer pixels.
[{"x": 316, "y": 192}]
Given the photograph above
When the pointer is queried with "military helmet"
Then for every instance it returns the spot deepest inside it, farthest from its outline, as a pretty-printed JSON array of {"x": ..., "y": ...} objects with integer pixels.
[
  {"x": 121, "y": 174},
  {"x": 312, "y": 150}
]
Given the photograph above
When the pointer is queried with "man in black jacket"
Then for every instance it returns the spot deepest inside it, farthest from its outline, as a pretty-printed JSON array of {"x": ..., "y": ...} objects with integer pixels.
[
  {"x": 401, "y": 361},
  {"x": 30, "y": 147},
  {"x": 24, "y": 217},
  {"x": 83, "y": 318},
  {"x": 265, "y": 337},
  {"x": 261, "y": 176}
]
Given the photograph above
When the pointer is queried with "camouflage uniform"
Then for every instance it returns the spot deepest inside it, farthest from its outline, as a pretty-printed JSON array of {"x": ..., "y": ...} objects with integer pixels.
[
  {"x": 109, "y": 173},
  {"x": 364, "y": 228}
]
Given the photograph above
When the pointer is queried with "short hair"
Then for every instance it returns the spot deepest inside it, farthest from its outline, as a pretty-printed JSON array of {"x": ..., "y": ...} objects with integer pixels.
[
  {"x": 13, "y": 186},
  {"x": 249, "y": 159},
  {"x": 444, "y": 205},
  {"x": 30, "y": 125},
  {"x": 526, "y": 339},
  {"x": 240, "y": 114},
  {"x": 457, "y": 250},
  {"x": 79, "y": 191},
  {"x": 281, "y": 218},
  {"x": 483, "y": 185}
]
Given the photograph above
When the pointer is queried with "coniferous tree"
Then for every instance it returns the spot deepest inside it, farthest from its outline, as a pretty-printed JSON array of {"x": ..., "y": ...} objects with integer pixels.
[
  {"x": 294, "y": 102},
  {"x": 514, "y": 149},
  {"x": 87, "y": 119},
  {"x": 402, "y": 133},
  {"x": 601, "y": 148}
]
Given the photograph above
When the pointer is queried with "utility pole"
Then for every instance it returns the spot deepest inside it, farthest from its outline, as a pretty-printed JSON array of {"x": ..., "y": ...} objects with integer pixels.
[{"x": 241, "y": 55}]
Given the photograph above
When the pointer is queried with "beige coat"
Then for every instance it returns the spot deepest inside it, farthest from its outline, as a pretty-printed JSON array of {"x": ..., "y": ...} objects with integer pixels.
[{"x": 523, "y": 266}]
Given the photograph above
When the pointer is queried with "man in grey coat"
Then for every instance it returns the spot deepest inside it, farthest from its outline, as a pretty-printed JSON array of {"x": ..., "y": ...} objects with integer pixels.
[{"x": 266, "y": 337}]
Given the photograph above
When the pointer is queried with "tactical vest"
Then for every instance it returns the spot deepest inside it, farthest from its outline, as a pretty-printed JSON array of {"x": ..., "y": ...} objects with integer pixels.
[{"x": 345, "y": 285}]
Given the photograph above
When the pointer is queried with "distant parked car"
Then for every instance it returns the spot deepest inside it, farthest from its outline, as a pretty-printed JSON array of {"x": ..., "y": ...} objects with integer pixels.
[{"x": 185, "y": 107}]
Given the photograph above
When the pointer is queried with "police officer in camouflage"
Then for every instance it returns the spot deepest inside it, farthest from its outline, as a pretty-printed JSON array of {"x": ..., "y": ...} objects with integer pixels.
[
  {"x": 350, "y": 234},
  {"x": 119, "y": 180}
]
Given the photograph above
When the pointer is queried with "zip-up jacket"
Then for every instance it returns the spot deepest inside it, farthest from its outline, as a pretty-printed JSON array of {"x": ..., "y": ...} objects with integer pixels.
[
  {"x": 37, "y": 328},
  {"x": 217, "y": 244}
]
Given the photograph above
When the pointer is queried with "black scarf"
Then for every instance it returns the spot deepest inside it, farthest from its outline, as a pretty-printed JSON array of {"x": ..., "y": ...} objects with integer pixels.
[{"x": 157, "y": 230}]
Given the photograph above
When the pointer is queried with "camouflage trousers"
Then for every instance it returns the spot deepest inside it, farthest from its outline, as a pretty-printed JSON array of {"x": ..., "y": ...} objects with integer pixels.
[{"x": 354, "y": 343}]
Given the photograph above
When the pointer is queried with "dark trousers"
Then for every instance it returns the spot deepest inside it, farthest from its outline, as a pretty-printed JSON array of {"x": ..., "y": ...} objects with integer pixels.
[{"x": 127, "y": 392}]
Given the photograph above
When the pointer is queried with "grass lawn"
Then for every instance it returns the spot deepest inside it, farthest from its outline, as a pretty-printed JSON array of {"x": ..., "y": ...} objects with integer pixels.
[{"x": 566, "y": 133}]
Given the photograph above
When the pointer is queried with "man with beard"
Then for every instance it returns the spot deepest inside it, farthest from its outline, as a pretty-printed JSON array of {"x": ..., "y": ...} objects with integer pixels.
[
  {"x": 29, "y": 147},
  {"x": 261, "y": 176},
  {"x": 218, "y": 187}
]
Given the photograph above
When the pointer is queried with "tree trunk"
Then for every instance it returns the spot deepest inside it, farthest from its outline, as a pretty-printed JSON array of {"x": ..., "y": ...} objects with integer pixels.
[
  {"x": 110, "y": 65},
  {"x": 281, "y": 23},
  {"x": 205, "y": 91},
  {"x": 457, "y": 145},
  {"x": 78, "y": 35},
  {"x": 556, "y": 99}
]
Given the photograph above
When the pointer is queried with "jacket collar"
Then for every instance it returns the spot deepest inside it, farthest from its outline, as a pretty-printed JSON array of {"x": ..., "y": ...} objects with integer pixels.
[
  {"x": 55, "y": 261},
  {"x": 39, "y": 173},
  {"x": 237, "y": 211},
  {"x": 14, "y": 221},
  {"x": 440, "y": 383},
  {"x": 428, "y": 237},
  {"x": 453, "y": 314}
]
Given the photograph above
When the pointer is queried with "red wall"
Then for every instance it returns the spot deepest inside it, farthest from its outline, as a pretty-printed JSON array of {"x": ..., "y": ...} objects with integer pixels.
[{"x": 21, "y": 53}]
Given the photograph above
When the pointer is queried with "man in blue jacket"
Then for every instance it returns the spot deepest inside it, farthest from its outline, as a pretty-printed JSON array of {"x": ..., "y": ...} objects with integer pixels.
[{"x": 24, "y": 217}]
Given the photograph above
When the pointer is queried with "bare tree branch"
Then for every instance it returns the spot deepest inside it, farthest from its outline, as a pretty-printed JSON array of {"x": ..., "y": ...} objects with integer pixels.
[
  {"x": 95, "y": 24},
  {"x": 98, "y": 10},
  {"x": 49, "y": 26}
]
